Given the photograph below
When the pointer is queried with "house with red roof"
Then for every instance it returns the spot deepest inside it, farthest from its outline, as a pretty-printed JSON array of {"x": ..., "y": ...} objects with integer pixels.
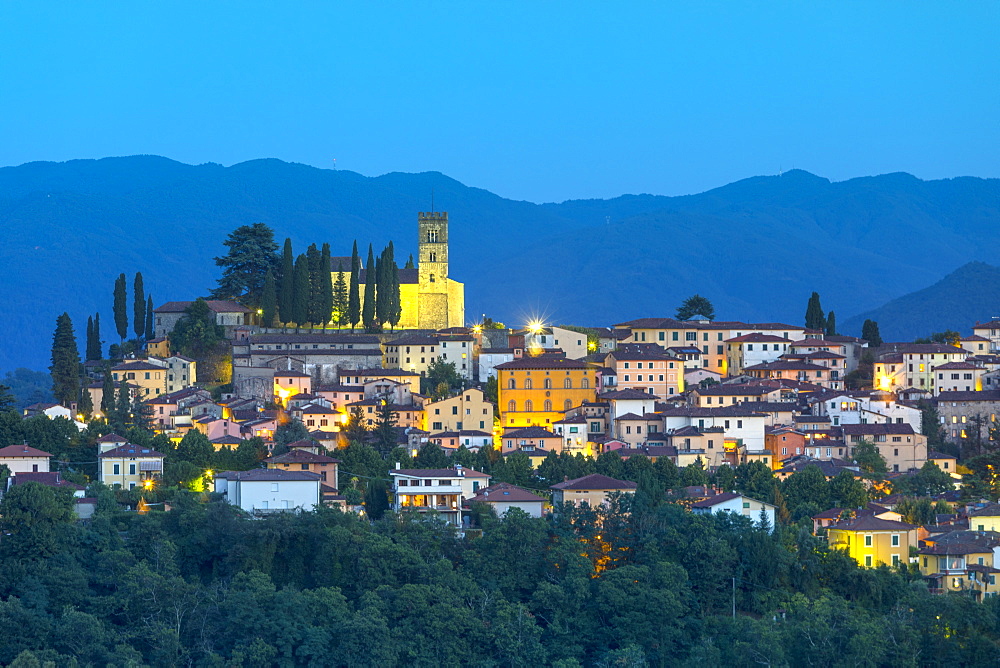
[{"x": 24, "y": 459}]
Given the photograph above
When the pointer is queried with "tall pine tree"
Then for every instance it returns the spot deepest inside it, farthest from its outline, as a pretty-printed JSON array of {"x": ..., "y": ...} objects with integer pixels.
[
  {"x": 120, "y": 307},
  {"x": 396, "y": 307},
  {"x": 149, "y": 317},
  {"x": 90, "y": 338},
  {"x": 368, "y": 308},
  {"x": 409, "y": 263},
  {"x": 815, "y": 318},
  {"x": 354, "y": 296},
  {"x": 286, "y": 284},
  {"x": 340, "y": 298},
  {"x": 138, "y": 306},
  {"x": 85, "y": 404},
  {"x": 383, "y": 292},
  {"x": 97, "y": 352},
  {"x": 269, "y": 301},
  {"x": 107, "y": 392},
  {"x": 870, "y": 333},
  {"x": 300, "y": 293},
  {"x": 65, "y": 367},
  {"x": 315, "y": 260},
  {"x": 831, "y": 324},
  {"x": 326, "y": 286}
]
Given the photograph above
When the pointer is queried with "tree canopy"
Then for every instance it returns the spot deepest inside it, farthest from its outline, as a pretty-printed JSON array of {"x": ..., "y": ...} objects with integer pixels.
[
  {"x": 252, "y": 251},
  {"x": 695, "y": 305}
]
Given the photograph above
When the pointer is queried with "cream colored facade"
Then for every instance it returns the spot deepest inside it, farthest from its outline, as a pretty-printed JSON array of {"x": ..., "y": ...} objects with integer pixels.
[
  {"x": 468, "y": 410},
  {"x": 871, "y": 541},
  {"x": 149, "y": 379},
  {"x": 429, "y": 299},
  {"x": 129, "y": 465}
]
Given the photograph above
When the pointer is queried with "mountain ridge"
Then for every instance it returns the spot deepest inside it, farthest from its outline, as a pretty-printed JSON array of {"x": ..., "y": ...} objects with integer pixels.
[{"x": 757, "y": 247}]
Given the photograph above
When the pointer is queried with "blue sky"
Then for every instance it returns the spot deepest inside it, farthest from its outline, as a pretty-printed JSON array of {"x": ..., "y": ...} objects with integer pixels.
[{"x": 541, "y": 101}]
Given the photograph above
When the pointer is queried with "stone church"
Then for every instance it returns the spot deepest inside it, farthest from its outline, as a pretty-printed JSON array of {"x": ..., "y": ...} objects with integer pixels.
[{"x": 429, "y": 299}]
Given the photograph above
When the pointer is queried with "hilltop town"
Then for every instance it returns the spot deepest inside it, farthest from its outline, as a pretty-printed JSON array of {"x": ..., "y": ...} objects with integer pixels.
[{"x": 325, "y": 383}]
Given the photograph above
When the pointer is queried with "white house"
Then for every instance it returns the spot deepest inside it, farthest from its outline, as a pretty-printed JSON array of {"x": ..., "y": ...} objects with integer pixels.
[
  {"x": 262, "y": 491},
  {"x": 874, "y": 408},
  {"x": 751, "y": 349},
  {"x": 730, "y": 502},
  {"x": 489, "y": 358},
  {"x": 24, "y": 459},
  {"x": 504, "y": 496},
  {"x": 457, "y": 349},
  {"x": 440, "y": 490}
]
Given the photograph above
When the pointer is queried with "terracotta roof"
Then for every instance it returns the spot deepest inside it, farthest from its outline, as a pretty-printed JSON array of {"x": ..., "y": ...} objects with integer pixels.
[
  {"x": 317, "y": 339},
  {"x": 439, "y": 473},
  {"x": 386, "y": 373},
  {"x": 112, "y": 438},
  {"x": 291, "y": 373},
  {"x": 22, "y": 451},
  {"x": 530, "y": 432},
  {"x": 786, "y": 365},
  {"x": 543, "y": 362},
  {"x": 505, "y": 492},
  {"x": 215, "y": 305},
  {"x": 138, "y": 366},
  {"x": 413, "y": 340},
  {"x": 984, "y": 395},
  {"x": 733, "y": 389},
  {"x": 871, "y": 523},
  {"x": 625, "y": 394},
  {"x": 300, "y": 456},
  {"x": 260, "y": 475},
  {"x": 757, "y": 338},
  {"x": 594, "y": 481},
  {"x": 50, "y": 479},
  {"x": 865, "y": 429},
  {"x": 132, "y": 450}
]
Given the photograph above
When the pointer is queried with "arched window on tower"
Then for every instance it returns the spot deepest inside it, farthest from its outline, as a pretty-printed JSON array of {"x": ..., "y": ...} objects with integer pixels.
[{"x": 433, "y": 257}]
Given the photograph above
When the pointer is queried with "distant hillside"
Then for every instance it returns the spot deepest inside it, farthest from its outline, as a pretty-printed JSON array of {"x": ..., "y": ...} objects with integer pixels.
[
  {"x": 757, "y": 247},
  {"x": 968, "y": 295}
]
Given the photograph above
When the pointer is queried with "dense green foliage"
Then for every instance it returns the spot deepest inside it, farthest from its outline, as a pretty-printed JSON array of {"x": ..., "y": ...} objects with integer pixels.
[
  {"x": 252, "y": 251},
  {"x": 815, "y": 317},
  {"x": 368, "y": 307},
  {"x": 354, "y": 290},
  {"x": 269, "y": 300},
  {"x": 870, "y": 333},
  {"x": 625, "y": 585},
  {"x": 65, "y": 368},
  {"x": 286, "y": 286},
  {"x": 119, "y": 307},
  {"x": 695, "y": 305},
  {"x": 138, "y": 306}
]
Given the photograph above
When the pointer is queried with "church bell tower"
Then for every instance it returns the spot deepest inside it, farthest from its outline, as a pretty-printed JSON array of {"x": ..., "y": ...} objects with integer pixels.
[{"x": 433, "y": 269}]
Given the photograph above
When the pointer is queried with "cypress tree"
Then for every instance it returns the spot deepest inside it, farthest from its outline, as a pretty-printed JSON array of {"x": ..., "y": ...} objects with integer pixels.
[
  {"x": 98, "y": 351},
  {"x": 354, "y": 296},
  {"x": 409, "y": 263},
  {"x": 88, "y": 351},
  {"x": 86, "y": 403},
  {"x": 815, "y": 318},
  {"x": 300, "y": 292},
  {"x": 138, "y": 306},
  {"x": 326, "y": 286},
  {"x": 149, "y": 317},
  {"x": 121, "y": 315},
  {"x": 314, "y": 259},
  {"x": 107, "y": 392},
  {"x": 831, "y": 324},
  {"x": 123, "y": 406},
  {"x": 870, "y": 333},
  {"x": 65, "y": 367},
  {"x": 269, "y": 300},
  {"x": 368, "y": 309},
  {"x": 396, "y": 309},
  {"x": 286, "y": 284},
  {"x": 383, "y": 292},
  {"x": 340, "y": 297}
]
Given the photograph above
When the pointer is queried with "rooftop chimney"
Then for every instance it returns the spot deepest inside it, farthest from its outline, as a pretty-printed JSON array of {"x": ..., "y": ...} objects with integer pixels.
[{"x": 397, "y": 466}]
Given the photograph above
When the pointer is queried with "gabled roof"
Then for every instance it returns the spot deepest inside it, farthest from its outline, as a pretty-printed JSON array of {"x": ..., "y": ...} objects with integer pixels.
[
  {"x": 983, "y": 395},
  {"x": 439, "y": 473},
  {"x": 865, "y": 429},
  {"x": 542, "y": 362},
  {"x": 989, "y": 510},
  {"x": 300, "y": 456},
  {"x": 503, "y": 492},
  {"x": 112, "y": 438},
  {"x": 215, "y": 305},
  {"x": 530, "y": 432},
  {"x": 594, "y": 481},
  {"x": 713, "y": 501},
  {"x": 268, "y": 475},
  {"x": 734, "y": 389},
  {"x": 132, "y": 450},
  {"x": 22, "y": 451},
  {"x": 50, "y": 479},
  {"x": 628, "y": 393},
  {"x": 871, "y": 523}
]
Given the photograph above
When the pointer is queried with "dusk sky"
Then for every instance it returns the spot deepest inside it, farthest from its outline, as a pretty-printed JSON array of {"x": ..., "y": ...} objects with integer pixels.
[{"x": 539, "y": 101}]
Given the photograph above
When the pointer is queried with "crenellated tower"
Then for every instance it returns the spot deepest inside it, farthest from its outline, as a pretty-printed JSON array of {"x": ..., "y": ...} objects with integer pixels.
[{"x": 432, "y": 270}]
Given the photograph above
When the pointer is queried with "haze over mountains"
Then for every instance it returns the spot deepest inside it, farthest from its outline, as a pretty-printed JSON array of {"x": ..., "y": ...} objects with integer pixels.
[{"x": 757, "y": 248}]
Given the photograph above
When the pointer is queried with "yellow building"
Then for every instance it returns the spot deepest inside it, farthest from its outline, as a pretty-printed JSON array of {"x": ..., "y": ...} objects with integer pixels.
[
  {"x": 961, "y": 562},
  {"x": 129, "y": 465},
  {"x": 592, "y": 489},
  {"x": 468, "y": 410},
  {"x": 871, "y": 541},
  {"x": 158, "y": 347},
  {"x": 411, "y": 352},
  {"x": 536, "y": 391},
  {"x": 428, "y": 298},
  {"x": 706, "y": 335},
  {"x": 986, "y": 518},
  {"x": 150, "y": 379}
]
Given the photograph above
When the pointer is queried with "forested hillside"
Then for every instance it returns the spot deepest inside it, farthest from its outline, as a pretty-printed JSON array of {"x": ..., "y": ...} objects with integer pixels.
[{"x": 757, "y": 248}]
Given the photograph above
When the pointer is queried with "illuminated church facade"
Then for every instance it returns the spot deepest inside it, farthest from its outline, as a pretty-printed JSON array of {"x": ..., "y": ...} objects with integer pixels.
[{"x": 429, "y": 299}]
